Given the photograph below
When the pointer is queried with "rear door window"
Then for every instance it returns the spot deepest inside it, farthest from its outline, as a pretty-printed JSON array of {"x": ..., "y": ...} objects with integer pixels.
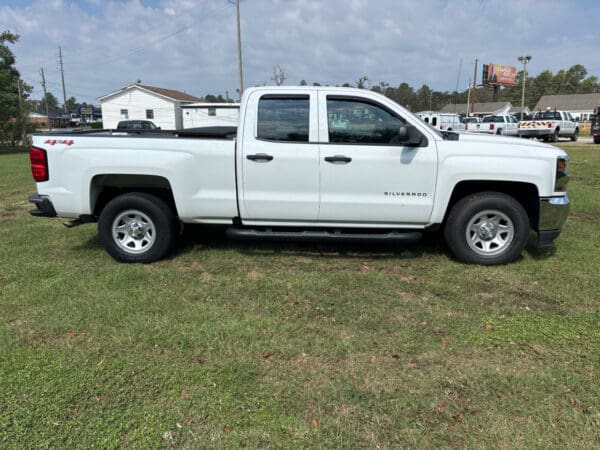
[{"x": 283, "y": 119}]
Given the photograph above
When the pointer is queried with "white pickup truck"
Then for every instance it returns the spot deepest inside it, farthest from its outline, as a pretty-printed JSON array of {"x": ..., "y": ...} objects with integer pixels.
[
  {"x": 306, "y": 163},
  {"x": 549, "y": 125},
  {"x": 504, "y": 124}
]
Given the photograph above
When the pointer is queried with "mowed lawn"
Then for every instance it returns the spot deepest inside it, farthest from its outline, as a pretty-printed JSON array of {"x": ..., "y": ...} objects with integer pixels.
[{"x": 229, "y": 344}]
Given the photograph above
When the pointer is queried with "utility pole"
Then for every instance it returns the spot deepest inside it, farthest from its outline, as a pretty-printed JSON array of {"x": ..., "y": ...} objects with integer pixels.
[
  {"x": 524, "y": 59},
  {"x": 45, "y": 93},
  {"x": 468, "y": 96},
  {"x": 62, "y": 77},
  {"x": 239, "y": 41},
  {"x": 474, "y": 94}
]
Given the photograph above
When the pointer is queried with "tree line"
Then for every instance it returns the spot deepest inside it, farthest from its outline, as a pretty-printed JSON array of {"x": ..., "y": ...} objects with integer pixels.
[{"x": 574, "y": 80}]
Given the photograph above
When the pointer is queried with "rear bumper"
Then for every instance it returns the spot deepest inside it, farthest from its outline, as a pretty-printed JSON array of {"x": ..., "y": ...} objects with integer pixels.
[
  {"x": 43, "y": 206},
  {"x": 553, "y": 214},
  {"x": 536, "y": 133}
]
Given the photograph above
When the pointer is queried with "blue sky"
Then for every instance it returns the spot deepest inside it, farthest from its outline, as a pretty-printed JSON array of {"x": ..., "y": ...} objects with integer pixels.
[{"x": 190, "y": 45}]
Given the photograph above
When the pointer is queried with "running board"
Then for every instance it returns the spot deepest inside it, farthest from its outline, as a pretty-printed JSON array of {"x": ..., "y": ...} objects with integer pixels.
[{"x": 250, "y": 234}]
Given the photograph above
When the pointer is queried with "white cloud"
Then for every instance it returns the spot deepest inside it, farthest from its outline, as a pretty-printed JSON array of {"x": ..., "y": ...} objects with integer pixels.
[{"x": 191, "y": 45}]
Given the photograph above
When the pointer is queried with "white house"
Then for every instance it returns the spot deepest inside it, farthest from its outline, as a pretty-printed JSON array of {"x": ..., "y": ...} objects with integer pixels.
[
  {"x": 210, "y": 114},
  {"x": 140, "y": 102}
]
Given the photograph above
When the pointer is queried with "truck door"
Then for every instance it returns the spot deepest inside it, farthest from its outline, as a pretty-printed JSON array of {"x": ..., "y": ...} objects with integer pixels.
[
  {"x": 278, "y": 158},
  {"x": 366, "y": 177}
]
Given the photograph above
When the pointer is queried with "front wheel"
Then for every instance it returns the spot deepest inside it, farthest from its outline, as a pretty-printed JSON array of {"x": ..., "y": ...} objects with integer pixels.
[
  {"x": 137, "y": 228},
  {"x": 487, "y": 228},
  {"x": 575, "y": 135}
]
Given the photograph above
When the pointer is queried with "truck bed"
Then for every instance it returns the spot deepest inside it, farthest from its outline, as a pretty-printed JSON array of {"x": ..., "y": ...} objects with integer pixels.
[{"x": 222, "y": 132}]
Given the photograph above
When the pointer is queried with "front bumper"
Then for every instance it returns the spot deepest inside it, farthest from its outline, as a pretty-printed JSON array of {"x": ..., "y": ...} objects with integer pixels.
[
  {"x": 553, "y": 214},
  {"x": 44, "y": 206}
]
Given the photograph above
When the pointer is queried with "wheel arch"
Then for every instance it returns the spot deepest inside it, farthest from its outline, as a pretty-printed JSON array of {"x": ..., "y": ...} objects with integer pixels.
[
  {"x": 105, "y": 187},
  {"x": 526, "y": 194}
]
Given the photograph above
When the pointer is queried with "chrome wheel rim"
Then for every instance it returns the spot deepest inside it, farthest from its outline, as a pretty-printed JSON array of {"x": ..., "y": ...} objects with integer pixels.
[
  {"x": 133, "y": 231},
  {"x": 489, "y": 232}
]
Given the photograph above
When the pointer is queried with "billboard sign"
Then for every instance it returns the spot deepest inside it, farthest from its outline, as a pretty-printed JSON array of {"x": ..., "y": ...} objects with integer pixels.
[{"x": 499, "y": 75}]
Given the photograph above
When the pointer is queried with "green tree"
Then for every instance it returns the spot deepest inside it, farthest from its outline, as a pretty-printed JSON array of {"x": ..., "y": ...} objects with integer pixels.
[
  {"x": 13, "y": 94},
  {"x": 52, "y": 102},
  {"x": 214, "y": 98},
  {"x": 362, "y": 82},
  {"x": 71, "y": 105}
]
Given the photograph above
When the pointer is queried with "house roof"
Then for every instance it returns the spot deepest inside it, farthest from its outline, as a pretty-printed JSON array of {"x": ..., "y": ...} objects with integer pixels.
[
  {"x": 569, "y": 102},
  {"x": 480, "y": 108},
  {"x": 171, "y": 94},
  {"x": 211, "y": 105}
]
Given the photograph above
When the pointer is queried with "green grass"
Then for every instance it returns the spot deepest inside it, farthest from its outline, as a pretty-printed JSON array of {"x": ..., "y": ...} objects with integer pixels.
[{"x": 232, "y": 345}]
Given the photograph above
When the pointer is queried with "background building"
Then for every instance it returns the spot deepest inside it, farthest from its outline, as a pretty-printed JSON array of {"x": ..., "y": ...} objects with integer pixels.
[
  {"x": 581, "y": 106},
  {"x": 140, "y": 102},
  {"x": 210, "y": 114}
]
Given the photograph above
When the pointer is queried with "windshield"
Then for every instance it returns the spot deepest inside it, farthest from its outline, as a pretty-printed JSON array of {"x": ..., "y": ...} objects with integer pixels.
[
  {"x": 547, "y": 115},
  {"x": 488, "y": 119}
]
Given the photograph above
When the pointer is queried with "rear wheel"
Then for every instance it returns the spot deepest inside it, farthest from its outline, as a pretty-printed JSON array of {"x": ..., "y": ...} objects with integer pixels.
[
  {"x": 596, "y": 139},
  {"x": 554, "y": 136},
  {"x": 487, "y": 228},
  {"x": 137, "y": 227}
]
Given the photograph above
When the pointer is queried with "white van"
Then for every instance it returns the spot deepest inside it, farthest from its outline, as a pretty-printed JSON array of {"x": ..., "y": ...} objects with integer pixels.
[{"x": 442, "y": 121}]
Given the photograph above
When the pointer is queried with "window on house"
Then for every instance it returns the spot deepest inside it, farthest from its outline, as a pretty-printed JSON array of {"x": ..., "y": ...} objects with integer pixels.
[
  {"x": 124, "y": 114},
  {"x": 149, "y": 114},
  {"x": 212, "y": 111}
]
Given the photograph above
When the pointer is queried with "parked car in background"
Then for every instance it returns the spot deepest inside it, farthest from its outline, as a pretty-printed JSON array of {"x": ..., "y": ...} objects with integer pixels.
[
  {"x": 442, "y": 121},
  {"x": 128, "y": 125},
  {"x": 549, "y": 125},
  {"x": 596, "y": 125},
  {"x": 504, "y": 124},
  {"x": 472, "y": 123}
]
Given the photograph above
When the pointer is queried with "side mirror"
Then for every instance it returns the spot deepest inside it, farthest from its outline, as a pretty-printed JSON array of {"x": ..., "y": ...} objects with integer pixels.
[{"x": 409, "y": 136}]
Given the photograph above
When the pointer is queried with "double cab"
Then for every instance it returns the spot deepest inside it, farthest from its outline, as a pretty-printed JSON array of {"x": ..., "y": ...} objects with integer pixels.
[{"x": 306, "y": 163}]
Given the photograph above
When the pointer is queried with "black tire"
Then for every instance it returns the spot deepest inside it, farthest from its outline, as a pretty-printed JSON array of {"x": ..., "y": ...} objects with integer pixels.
[
  {"x": 596, "y": 139},
  {"x": 554, "y": 136},
  {"x": 148, "y": 228},
  {"x": 575, "y": 135},
  {"x": 497, "y": 211},
  {"x": 499, "y": 131}
]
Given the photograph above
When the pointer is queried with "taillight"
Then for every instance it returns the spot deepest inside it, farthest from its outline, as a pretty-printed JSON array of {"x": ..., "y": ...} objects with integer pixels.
[
  {"x": 549, "y": 124},
  {"x": 491, "y": 126},
  {"x": 39, "y": 164}
]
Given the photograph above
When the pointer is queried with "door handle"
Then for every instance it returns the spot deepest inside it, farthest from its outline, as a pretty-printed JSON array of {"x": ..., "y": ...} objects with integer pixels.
[
  {"x": 338, "y": 159},
  {"x": 259, "y": 157}
]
